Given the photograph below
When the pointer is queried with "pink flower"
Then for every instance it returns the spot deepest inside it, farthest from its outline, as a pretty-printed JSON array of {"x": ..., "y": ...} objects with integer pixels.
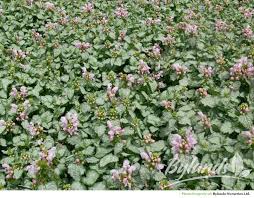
[
  {"x": 87, "y": 75},
  {"x": 151, "y": 21},
  {"x": 152, "y": 160},
  {"x": 14, "y": 108},
  {"x": 64, "y": 20},
  {"x": 111, "y": 91},
  {"x": 36, "y": 35},
  {"x": 220, "y": 25},
  {"x": 204, "y": 119},
  {"x": 76, "y": 20},
  {"x": 49, "y": 6},
  {"x": 88, "y": 7},
  {"x": 14, "y": 92},
  {"x": 23, "y": 92},
  {"x": 242, "y": 68},
  {"x": 180, "y": 70},
  {"x": 189, "y": 28},
  {"x": 146, "y": 156},
  {"x": 158, "y": 75},
  {"x": 18, "y": 54},
  {"x": 114, "y": 131},
  {"x": 2, "y": 123},
  {"x": 124, "y": 175},
  {"x": 168, "y": 40},
  {"x": 143, "y": 67},
  {"x": 82, "y": 45},
  {"x": 121, "y": 12},
  {"x": 156, "y": 50},
  {"x": 8, "y": 170},
  {"x": 130, "y": 79},
  {"x": 70, "y": 123},
  {"x": 189, "y": 15},
  {"x": 247, "y": 32},
  {"x": 48, "y": 155},
  {"x": 33, "y": 168},
  {"x": 34, "y": 129},
  {"x": 51, "y": 26},
  {"x": 166, "y": 104},
  {"x": 21, "y": 110},
  {"x": 247, "y": 12},
  {"x": 183, "y": 144},
  {"x": 207, "y": 72},
  {"x": 115, "y": 174},
  {"x": 202, "y": 91},
  {"x": 249, "y": 135},
  {"x": 51, "y": 154}
]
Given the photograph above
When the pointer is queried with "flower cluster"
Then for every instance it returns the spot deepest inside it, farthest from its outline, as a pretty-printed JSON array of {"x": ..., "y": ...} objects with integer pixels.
[
  {"x": 242, "y": 68},
  {"x": 33, "y": 168},
  {"x": 180, "y": 70},
  {"x": 49, "y": 6},
  {"x": 151, "y": 21},
  {"x": 82, "y": 45},
  {"x": 207, "y": 72},
  {"x": 21, "y": 110},
  {"x": 204, "y": 119},
  {"x": 247, "y": 32},
  {"x": 183, "y": 144},
  {"x": 167, "y": 104},
  {"x": 202, "y": 91},
  {"x": 143, "y": 67},
  {"x": 220, "y": 25},
  {"x": 48, "y": 155},
  {"x": 18, "y": 54},
  {"x": 121, "y": 12},
  {"x": 70, "y": 123},
  {"x": 8, "y": 170},
  {"x": 148, "y": 139},
  {"x": 88, "y": 7},
  {"x": 34, "y": 129},
  {"x": 21, "y": 94},
  {"x": 111, "y": 91},
  {"x": 153, "y": 160},
  {"x": 114, "y": 131},
  {"x": 87, "y": 75},
  {"x": 124, "y": 175},
  {"x": 249, "y": 135}
]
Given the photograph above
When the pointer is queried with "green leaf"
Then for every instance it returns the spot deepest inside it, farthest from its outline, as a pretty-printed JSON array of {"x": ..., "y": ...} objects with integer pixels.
[
  {"x": 108, "y": 159},
  {"x": 6, "y": 83},
  {"x": 209, "y": 101},
  {"x": 237, "y": 164},
  {"x": 90, "y": 178},
  {"x": 227, "y": 128},
  {"x": 77, "y": 186},
  {"x": 158, "y": 176},
  {"x": 157, "y": 146},
  {"x": 245, "y": 173},
  {"x": 118, "y": 148},
  {"x": 100, "y": 130},
  {"x": 154, "y": 120},
  {"x": 17, "y": 173},
  {"x": 246, "y": 120},
  {"x": 75, "y": 171}
]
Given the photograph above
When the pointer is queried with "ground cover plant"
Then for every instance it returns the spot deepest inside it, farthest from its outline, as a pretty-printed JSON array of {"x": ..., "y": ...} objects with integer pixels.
[{"x": 105, "y": 94}]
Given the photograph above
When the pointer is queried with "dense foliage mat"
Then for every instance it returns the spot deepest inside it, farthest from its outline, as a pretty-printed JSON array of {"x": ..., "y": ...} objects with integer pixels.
[{"x": 108, "y": 94}]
